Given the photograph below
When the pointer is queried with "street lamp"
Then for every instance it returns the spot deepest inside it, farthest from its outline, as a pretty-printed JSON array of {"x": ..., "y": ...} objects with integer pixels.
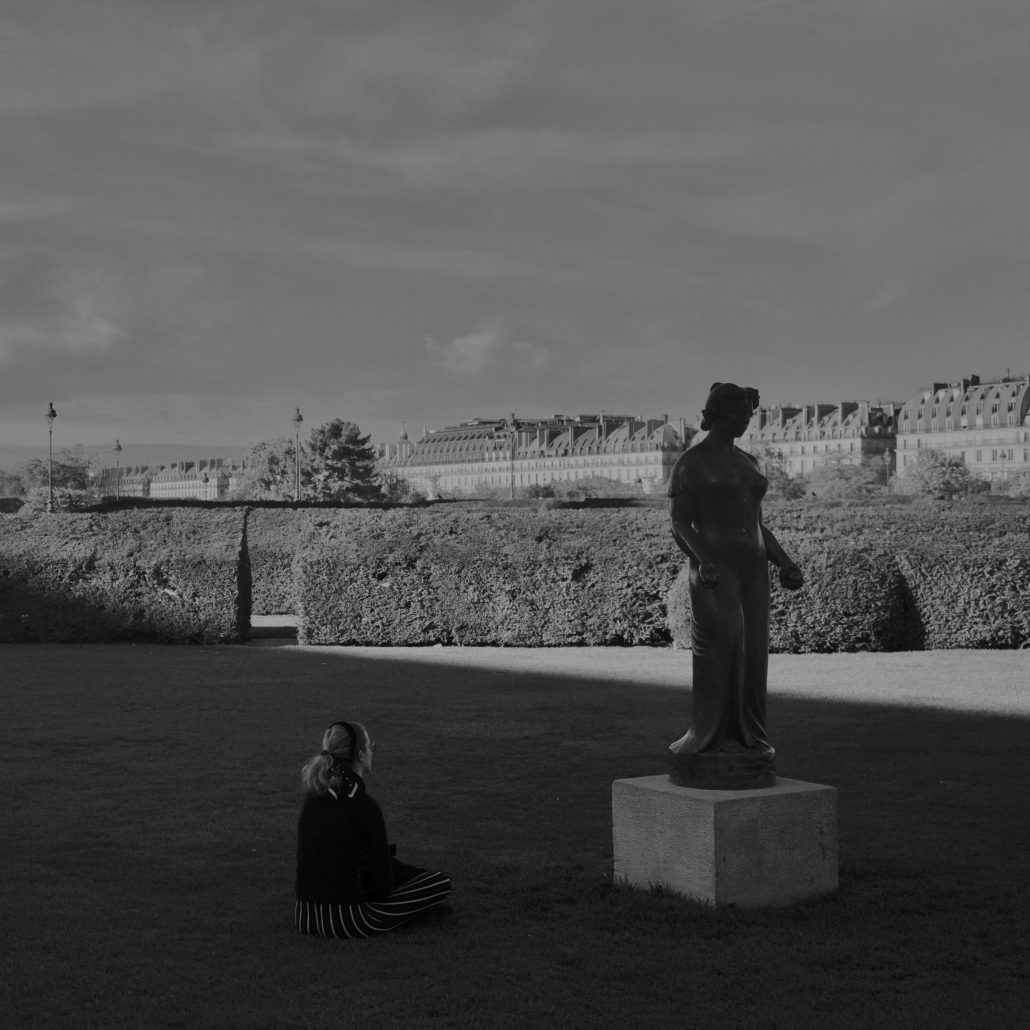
[
  {"x": 297, "y": 419},
  {"x": 50, "y": 416},
  {"x": 117, "y": 472}
]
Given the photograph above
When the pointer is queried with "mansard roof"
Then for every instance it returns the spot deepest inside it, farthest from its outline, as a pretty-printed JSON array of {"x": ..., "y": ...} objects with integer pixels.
[
  {"x": 970, "y": 397},
  {"x": 482, "y": 439},
  {"x": 825, "y": 421}
]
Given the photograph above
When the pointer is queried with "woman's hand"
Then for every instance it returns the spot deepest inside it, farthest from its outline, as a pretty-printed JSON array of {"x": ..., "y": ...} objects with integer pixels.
[
  {"x": 709, "y": 574},
  {"x": 791, "y": 577}
]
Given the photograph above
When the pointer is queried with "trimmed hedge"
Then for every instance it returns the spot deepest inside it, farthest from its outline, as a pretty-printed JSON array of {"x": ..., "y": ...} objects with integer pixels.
[
  {"x": 851, "y": 601},
  {"x": 896, "y": 578},
  {"x": 486, "y": 577},
  {"x": 878, "y": 577},
  {"x": 174, "y": 575},
  {"x": 977, "y": 596}
]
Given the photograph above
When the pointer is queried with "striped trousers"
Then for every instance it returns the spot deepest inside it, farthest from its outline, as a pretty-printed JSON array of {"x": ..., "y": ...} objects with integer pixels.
[{"x": 423, "y": 892}]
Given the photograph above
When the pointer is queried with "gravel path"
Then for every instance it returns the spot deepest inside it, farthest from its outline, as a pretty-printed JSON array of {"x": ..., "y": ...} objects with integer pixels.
[{"x": 981, "y": 681}]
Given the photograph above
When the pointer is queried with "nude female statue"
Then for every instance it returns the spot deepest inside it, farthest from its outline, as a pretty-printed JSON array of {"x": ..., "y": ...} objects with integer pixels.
[{"x": 716, "y": 495}]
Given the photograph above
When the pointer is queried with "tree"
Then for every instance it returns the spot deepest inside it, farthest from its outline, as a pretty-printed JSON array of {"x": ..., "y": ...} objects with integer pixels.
[
  {"x": 782, "y": 485},
  {"x": 397, "y": 489},
  {"x": 942, "y": 475},
  {"x": 1015, "y": 485},
  {"x": 12, "y": 484},
  {"x": 71, "y": 470},
  {"x": 837, "y": 478},
  {"x": 269, "y": 471},
  {"x": 342, "y": 465}
]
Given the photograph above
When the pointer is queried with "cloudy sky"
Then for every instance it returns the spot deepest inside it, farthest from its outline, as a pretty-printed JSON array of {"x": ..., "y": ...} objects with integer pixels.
[{"x": 215, "y": 211}]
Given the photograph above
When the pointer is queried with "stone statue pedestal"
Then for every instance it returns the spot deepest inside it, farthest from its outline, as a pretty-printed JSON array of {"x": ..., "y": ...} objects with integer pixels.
[{"x": 753, "y": 848}]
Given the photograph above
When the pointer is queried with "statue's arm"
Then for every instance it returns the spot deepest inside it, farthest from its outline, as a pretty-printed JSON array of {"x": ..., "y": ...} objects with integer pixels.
[
  {"x": 791, "y": 576},
  {"x": 689, "y": 540}
]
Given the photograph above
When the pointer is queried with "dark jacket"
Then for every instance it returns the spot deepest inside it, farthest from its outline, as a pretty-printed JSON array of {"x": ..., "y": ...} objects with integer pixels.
[{"x": 343, "y": 855}]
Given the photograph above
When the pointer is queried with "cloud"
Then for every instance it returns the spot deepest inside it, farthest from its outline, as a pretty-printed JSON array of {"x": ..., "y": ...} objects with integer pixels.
[
  {"x": 31, "y": 209},
  {"x": 74, "y": 308},
  {"x": 490, "y": 345}
]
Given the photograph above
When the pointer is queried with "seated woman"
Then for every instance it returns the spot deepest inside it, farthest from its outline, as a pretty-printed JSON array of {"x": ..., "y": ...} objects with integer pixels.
[{"x": 349, "y": 884}]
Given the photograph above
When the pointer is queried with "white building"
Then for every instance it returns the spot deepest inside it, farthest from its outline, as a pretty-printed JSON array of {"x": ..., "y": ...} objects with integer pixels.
[
  {"x": 485, "y": 455},
  {"x": 987, "y": 425}
]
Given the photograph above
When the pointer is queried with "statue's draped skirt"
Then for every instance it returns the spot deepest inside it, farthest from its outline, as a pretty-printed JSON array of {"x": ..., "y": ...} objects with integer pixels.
[{"x": 730, "y": 640}]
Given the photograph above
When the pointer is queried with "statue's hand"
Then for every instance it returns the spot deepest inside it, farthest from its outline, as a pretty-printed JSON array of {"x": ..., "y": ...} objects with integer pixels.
[
  {"x": 709, "y": 575},
  {"x": 791, "y": 577}
]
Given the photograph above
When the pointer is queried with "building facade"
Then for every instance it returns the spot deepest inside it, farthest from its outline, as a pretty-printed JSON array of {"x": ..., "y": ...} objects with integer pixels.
[
  {"x": 803, "y": 437},
  {"x": 987, "y": 425},
  {"x": 209, "y": 479},
  {"x": 484, "y": 456}
]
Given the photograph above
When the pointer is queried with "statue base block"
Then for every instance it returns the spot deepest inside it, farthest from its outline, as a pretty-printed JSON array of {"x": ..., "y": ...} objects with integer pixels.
[{"x": 752, "y": 848}]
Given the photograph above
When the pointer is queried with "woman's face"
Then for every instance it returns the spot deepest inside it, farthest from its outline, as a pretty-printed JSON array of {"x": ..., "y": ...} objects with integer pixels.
[{"x": 365, "y": 753}]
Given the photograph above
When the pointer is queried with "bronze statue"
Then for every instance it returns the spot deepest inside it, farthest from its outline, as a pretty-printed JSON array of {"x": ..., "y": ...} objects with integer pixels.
[{"x": 716, "y": 492}]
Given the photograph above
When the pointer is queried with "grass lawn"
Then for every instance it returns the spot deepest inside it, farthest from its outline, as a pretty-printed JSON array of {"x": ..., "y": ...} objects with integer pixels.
[{"x": 147, "y": 832}]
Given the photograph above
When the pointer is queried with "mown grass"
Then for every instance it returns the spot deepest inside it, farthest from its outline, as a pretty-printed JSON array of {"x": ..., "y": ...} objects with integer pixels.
[{"x": 150, "y": 797}]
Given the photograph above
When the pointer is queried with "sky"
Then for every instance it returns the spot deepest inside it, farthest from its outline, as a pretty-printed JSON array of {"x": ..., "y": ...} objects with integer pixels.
[{"x": 215, "y": 213}]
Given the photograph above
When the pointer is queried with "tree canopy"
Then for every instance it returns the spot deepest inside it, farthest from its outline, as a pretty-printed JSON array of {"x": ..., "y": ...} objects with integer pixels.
[
  {"x": 342, "y": 464},
  {"x": 71, "y": 470},
  {"x": 942, "y": 475},
  {"x": 837, "y": 477},
  {"x": 269, "y": 470}
]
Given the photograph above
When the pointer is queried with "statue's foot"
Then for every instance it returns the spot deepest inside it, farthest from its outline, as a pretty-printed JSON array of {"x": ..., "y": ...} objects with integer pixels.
[{"x": 683, "y": 744}]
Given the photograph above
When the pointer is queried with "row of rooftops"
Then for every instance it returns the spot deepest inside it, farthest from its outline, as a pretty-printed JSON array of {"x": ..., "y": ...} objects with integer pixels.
[
  {"x": 825, "y": 421},
  {"x": 176, "y": 471},
  {"x": 969, "y": 397},
  {"x": 481, "y": 439}
]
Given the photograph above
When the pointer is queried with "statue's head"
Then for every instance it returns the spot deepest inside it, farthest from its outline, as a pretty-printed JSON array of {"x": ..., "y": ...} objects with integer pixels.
[{"x": 724, "y": 396}]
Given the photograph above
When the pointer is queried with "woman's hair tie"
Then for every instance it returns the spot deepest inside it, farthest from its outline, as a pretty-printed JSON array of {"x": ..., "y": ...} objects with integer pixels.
[{"x": 326, "y": 754}]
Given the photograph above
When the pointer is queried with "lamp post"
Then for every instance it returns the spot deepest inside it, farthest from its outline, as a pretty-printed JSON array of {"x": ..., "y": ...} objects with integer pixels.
[
  {"x": 297, "y": 420},
  {"x": 51, "y": 414},
  {"x": 117, "y": 469}
]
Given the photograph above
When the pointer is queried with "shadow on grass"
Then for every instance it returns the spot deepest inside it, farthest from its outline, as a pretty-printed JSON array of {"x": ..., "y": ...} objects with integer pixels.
[{"x": 149, "y": 828}]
